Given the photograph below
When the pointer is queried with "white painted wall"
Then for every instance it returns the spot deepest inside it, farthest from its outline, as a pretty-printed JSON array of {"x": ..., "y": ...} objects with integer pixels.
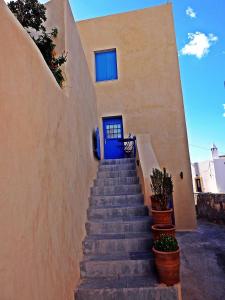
[
  {"x": 219, "y": 165},
  {"x": 211, "y": 173}
]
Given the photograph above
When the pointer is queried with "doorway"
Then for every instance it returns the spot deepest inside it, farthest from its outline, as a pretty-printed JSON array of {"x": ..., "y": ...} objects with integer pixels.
[{"x": 113, "y": 137}]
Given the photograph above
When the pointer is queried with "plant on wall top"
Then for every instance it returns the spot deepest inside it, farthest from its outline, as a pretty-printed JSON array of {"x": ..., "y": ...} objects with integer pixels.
[
  {"x": 162, "y": 186},
  {"x": 31, "y": 14},
  {"x": 47, "y": 48}
]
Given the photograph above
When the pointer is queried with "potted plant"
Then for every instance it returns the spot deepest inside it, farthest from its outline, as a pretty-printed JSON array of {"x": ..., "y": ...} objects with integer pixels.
[
  {"x": 162, "y": 188},
  {"x": 167, "y": 259},
  {"x": 156, "y": 186}
]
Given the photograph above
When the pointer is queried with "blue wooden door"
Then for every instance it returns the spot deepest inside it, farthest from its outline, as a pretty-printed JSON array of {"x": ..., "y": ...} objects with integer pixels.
[{"x": 113, "y": 133}]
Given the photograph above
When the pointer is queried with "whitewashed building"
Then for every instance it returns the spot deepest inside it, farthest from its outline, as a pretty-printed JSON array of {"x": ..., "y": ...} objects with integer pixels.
[{"x": 209, "y": 176}]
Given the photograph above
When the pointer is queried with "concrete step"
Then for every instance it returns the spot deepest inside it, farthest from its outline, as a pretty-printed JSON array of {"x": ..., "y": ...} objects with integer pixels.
[
  {"x": 138, "y": 264},
  {"x": 118, "y": 262},
  {"x": 116, "y": 212},
  {"x": 118, "y": 167},
  {"x": 130, "y": 189},
  {"x": 114, "y": 174},
  {"x": 116, "y": 225},
  {"x": 116, "y": 181},
  {"x": 117, "y": 243},
  {"x": 117, "y": 161},
  {"x": 126, "y": 288},
  {"x": 111, "y": 201}
]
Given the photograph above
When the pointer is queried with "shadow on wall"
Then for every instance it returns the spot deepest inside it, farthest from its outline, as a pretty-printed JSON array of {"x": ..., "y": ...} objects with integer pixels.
[{"x": 46, "y": 158}]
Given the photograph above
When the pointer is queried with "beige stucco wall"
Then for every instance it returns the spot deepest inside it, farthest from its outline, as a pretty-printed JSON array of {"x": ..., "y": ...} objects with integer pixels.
[
  {"x": 146, "y": 160},
  {"x": 148, "y": 91},
  {"x": 46, "y": 162}
]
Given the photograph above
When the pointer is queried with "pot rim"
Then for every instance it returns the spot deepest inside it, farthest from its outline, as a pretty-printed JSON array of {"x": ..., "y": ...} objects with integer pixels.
[
  {"x": 165, "y": 252},
  {"x": 162, "y": 211},
  {"x": 158, "y": 229}
]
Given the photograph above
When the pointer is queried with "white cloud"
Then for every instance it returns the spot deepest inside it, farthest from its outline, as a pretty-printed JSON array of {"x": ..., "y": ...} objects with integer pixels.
[
  {"x": 190, "y": 12},
  {"x": 199, "y": 44},
  {"x": 224, "y": 108}
]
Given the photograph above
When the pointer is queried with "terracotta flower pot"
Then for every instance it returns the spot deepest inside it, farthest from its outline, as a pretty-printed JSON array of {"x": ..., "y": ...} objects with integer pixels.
[
  {"x": 155, "y": 202},
  {"x": 158, "y": 229},
  {"x": 162, "y": 216},
  {"x": 168, "y": 266}
]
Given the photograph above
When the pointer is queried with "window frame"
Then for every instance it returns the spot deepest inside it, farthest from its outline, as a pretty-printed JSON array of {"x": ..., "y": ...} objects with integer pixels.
[
  {"x": 114, "y": 131},
  {"x": 116, "y": 64}
]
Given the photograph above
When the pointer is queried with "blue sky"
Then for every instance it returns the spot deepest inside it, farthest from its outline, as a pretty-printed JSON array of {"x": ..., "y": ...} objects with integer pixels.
[{"x": 200, "y": 33}]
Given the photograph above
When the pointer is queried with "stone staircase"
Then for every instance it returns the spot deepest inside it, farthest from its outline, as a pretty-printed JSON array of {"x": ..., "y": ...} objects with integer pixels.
[{"x": 118, "y": 262}]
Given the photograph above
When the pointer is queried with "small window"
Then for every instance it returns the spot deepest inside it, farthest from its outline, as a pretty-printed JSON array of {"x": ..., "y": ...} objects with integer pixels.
[
  {"x": 106, "y": 65},
  {"x": 114, "y": 131}
]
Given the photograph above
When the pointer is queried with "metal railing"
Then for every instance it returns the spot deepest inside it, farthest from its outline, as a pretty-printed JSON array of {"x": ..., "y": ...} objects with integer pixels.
[{"x": 129, "y": 146}]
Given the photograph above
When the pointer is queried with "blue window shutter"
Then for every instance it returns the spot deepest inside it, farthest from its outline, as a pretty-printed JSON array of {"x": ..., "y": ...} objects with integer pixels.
[
  {"x": 111, "y": 65},
  {"x": 106, "y": 65},
  {"x": 100, "y": 61}
]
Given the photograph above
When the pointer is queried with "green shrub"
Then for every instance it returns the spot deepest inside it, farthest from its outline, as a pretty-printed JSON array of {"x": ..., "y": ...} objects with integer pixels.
[
  {"x": 162, "y": 186},
  {"x": 166, "y": 243},
  {"x": 47, "y": 48},
  {"x": 157, "y": 182},
  {"x": 31, "y": 14}
]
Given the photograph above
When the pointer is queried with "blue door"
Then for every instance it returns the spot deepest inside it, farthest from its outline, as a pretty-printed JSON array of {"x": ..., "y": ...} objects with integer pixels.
[{"x": 113, "y": 133}]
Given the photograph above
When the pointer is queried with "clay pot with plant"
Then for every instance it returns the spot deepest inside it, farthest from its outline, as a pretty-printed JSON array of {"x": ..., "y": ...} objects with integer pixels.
[
  {"x": 167, "y": 259},
  {"x": 159, "y": 229},
  {"x": 162, "y": 188}
]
